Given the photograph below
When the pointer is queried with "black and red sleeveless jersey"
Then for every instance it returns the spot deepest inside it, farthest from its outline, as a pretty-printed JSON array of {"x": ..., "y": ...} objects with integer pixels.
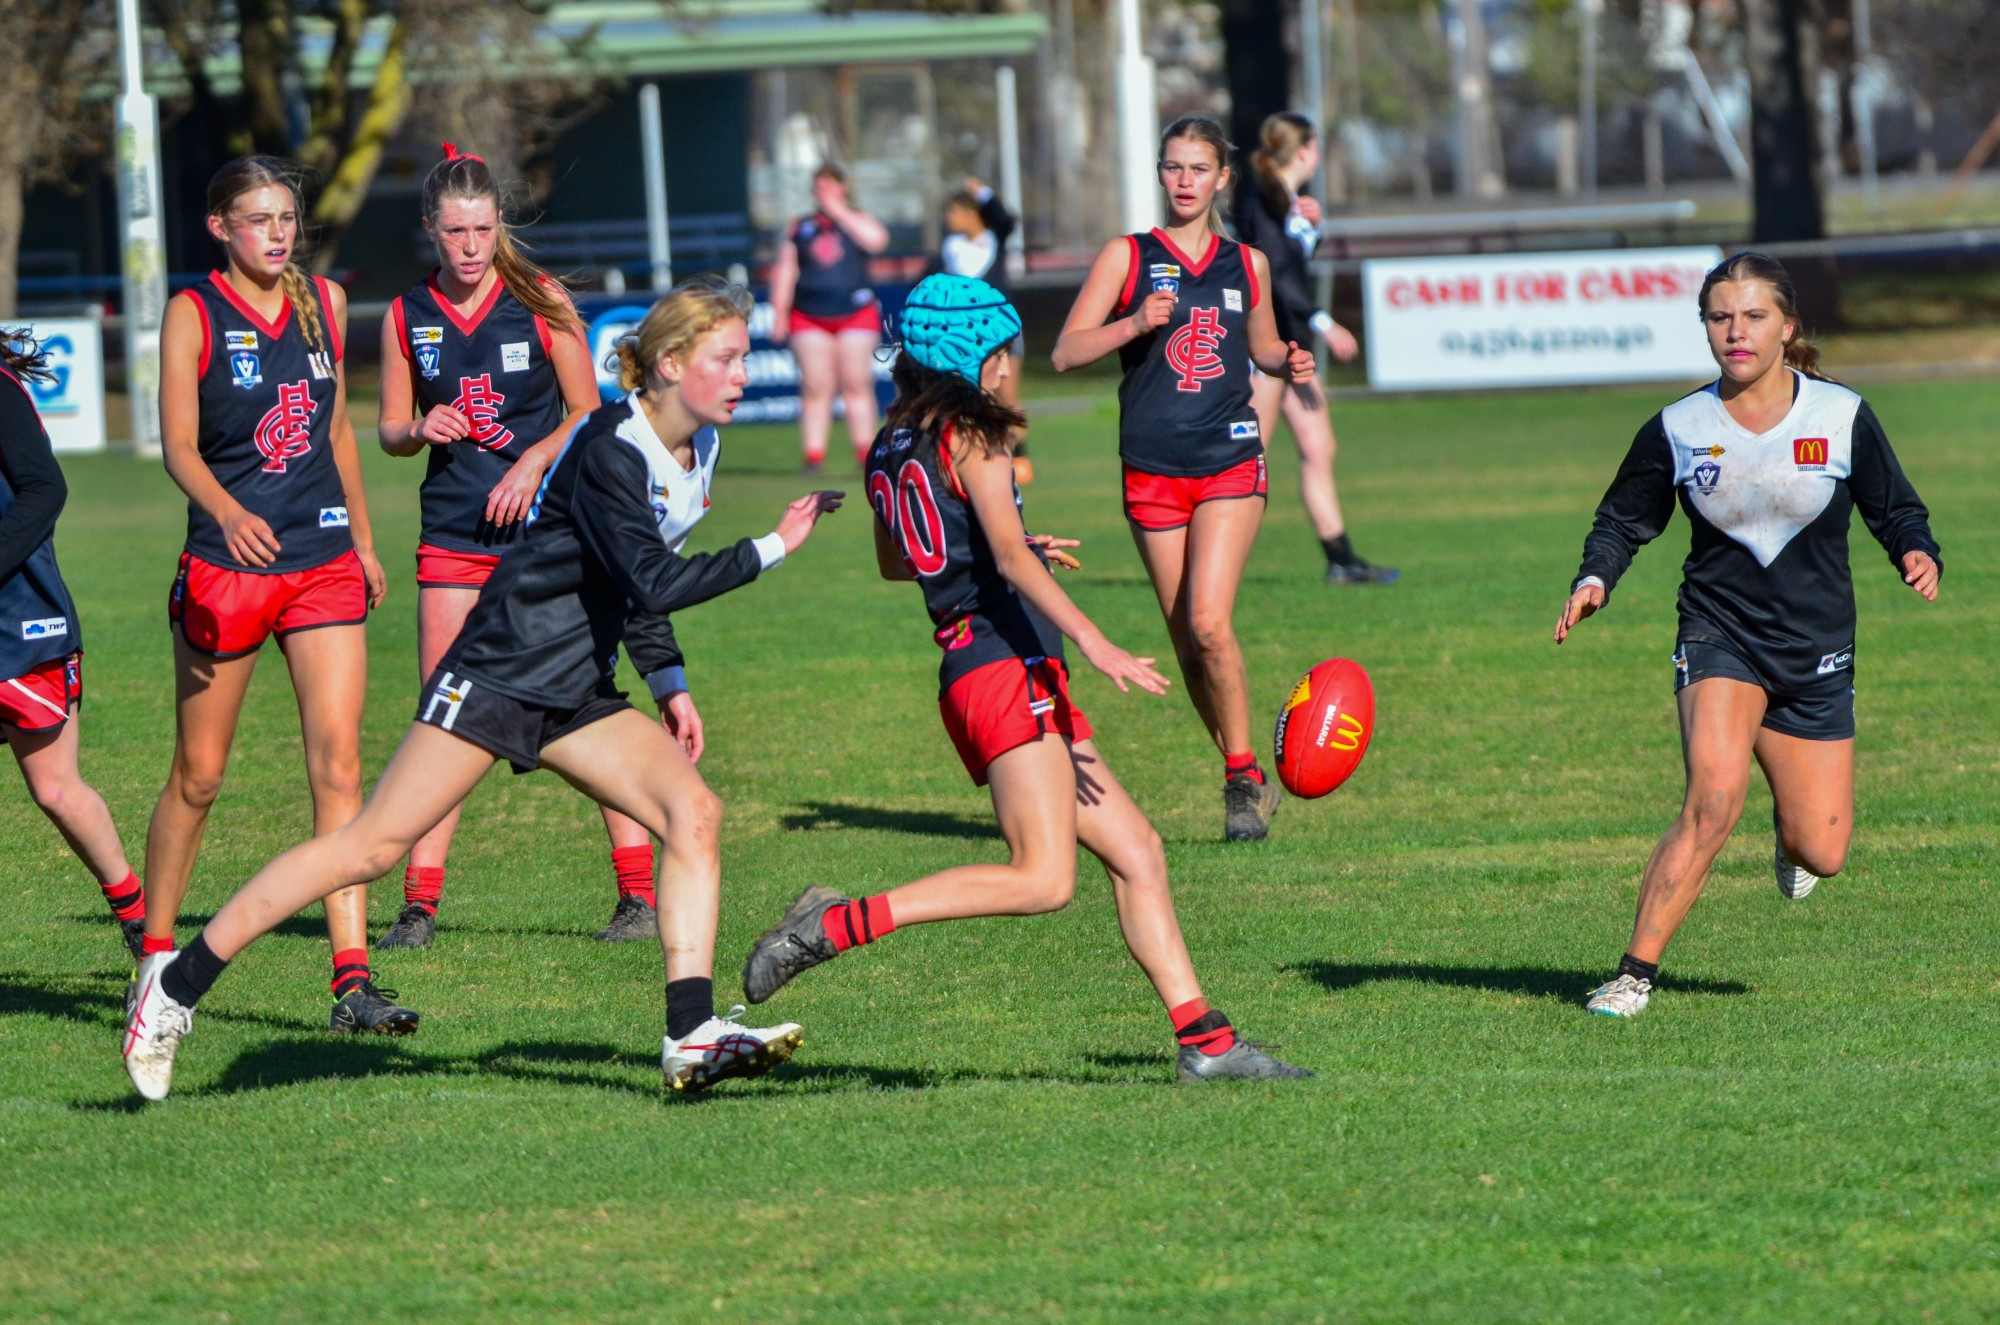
[
  {"x": 494, "y": 367},
  {"x": 977, "y": 616},
  {"x": 267, "y": 427},
  {"x": 833, "y": 271},
  {"x": 1184, "y": 404}
]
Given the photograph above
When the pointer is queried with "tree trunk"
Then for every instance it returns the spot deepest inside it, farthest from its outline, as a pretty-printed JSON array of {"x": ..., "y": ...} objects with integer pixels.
[
  {"x": 264, "y": 42},
  {"x": 1260, "y": 84},
  {"x": 12, "y": 189},
  {"x": 1781, "y": 48},
  {"x": 347, "y": 187}
]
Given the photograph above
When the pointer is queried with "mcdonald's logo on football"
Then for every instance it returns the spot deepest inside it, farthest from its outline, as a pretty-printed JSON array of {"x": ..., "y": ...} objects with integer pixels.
[
  {"x": 1347, "y": 733},
  {"x": 1809, "y": 452}
]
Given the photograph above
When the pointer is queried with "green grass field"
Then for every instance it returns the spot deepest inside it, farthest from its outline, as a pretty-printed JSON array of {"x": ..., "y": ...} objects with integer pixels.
[{"x": 983, "y": 1121}]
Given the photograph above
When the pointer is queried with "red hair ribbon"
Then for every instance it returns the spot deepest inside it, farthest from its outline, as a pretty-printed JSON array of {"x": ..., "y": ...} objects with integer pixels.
[{"x": 451, "y": 153}]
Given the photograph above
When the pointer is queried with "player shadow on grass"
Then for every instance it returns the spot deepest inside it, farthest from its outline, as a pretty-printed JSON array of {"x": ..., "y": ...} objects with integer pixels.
[
  {"x": 1529, "y": 981},
  {"x": 307, "y": 924},
  {"x": 98, "y": 998},
  {"x": 812, "y": 815}
]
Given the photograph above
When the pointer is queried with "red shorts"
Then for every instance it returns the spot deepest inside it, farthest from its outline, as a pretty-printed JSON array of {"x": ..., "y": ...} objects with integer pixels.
[
  {"x": 868, "y": 317},
  {"x": 1004, "y": 704},
  {"x": 40, "y": 701},
  {"x": 229, "y": 613},
  {"x": 1160, "y": 501},
  {"x": 441, "y": 568}
]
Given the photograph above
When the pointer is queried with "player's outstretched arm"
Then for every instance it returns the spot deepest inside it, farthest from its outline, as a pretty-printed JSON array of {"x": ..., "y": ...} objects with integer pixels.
[
  {"x": 1890, "y": 507},
  {"x": 1086, "y": 337},
  {"x": 1582, "y": 603},
  {"x": 989, "y": 484}
]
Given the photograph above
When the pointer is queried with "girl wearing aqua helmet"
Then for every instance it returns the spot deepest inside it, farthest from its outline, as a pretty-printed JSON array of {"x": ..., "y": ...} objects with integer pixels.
[{"x": 948, "y": 515}]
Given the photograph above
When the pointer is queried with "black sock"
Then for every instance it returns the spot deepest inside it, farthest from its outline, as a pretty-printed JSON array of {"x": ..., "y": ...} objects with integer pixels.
[
  {"x": 1339, "y": 552},
  {"x": 193, "y": 973},
  {"x": 689, "y": 1003},
  {"x": 1638, "y": 970}
]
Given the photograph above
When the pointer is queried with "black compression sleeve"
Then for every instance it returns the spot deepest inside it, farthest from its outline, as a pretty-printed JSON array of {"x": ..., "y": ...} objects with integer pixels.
[
  {"x": 997, "y": 218},
  {"x": 614, "y": 521},
  {"x": 1635, "y": 509},
  {"x": 33, "y": 474},
  {"x": 1888, "y": 504}
]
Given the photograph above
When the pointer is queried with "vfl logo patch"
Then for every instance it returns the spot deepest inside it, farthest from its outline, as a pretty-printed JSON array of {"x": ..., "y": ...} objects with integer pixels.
[
  {"x": 333, "y": 517},
  {"x": 285, "y": 431},
  {"x": 451, "y": 693},
  {"x": 427, "y": 360},
  {"x": 1165, "y": 276},
  {"x": 46, "y": 628},
  {"x": 1191, "y": 350},
  {"x": 239, "y": 340},
  {"x": 1241, "y": 429},
  {"x": 514, "y": 358},
  {"x": 480, "y": 404},
  {"x": 1809, "y": 452},
  {"x": 1834, "y": 662},
  {"x": 1706, "y": 475},
  {"x": 244, "y": 370}
]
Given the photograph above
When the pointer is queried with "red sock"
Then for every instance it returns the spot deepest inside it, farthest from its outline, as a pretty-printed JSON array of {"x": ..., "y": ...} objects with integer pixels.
[
  {"x": 634, "y": 868},
  {"x": 1246, "y": 762},
  {"x": 127, "y": 897},
  {"x": 1199, "y": 1025},
  {"x": 350, "y": 968},
  {"x": 150, "y": 945},
  {"x": 861, "y": 921},
  {"x": 423, "y": 886}
]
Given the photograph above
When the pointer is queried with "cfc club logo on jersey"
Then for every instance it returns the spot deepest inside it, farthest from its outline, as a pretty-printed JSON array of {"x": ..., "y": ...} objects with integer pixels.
[
  {"x": 480, "y": 404},
  {"x": 1809, "y": 453},
  {"x": 1191, "y": 350},
  {"x": 285, "y": 431}
]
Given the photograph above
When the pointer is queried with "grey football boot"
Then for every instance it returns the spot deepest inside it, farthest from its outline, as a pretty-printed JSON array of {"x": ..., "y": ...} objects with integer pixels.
[
  {"x": 795, "y": 944},
  {"x": 1244, "y": 1062}
]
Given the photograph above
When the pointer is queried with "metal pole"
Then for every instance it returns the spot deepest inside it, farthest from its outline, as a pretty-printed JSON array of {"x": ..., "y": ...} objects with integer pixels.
[
  {"x": 1864, "y": 98},
  {"x": 1312, "y": 46},
  {"x": 652, "y": 147},
  {"x": 1139, "y": 124},
  {"x": 1008, "y": 109},
  {"x": 142, "y": 239},
  {"x": 1586, "y": 95}
]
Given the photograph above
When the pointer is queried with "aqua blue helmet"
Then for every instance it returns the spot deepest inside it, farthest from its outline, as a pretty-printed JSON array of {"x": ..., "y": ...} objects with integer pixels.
[{"x": 952, "y": 323}]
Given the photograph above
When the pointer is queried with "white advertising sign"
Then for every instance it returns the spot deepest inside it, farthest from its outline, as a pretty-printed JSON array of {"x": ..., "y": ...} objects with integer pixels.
[
  {"x": 1536, "y": 319},
  {"x": 71, "y": 406}
]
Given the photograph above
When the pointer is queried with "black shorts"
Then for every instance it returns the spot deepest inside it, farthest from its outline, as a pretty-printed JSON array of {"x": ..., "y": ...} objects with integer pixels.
[
  {"x": 505, "y": 727},
  {"x": 1824, "y": 713}
]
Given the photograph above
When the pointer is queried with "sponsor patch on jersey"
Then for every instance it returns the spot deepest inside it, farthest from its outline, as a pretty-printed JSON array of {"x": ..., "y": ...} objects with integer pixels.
[
  {"x": 1809, "y": 452},
  {"x": 333, "y": 517},
  {"x": 1165, "y": 276},
  {"x": 46, "y": 628},
  {"x": 322, "y": 366},
  {"x": 1715, "y": 452},
  {"x": 244, "y": 370},
  {"x": 239, "y": 340},
  {"x": 1834, "y": 662},
  {"x": 426, "y": 335},
  {"x": 1233, "y": 300},
  {"x": 1706, "y": 475},
  {"x": 1243, "y": 429},
  {"x": 514, "y": 358},
  {"x": 427, "y": 360}
]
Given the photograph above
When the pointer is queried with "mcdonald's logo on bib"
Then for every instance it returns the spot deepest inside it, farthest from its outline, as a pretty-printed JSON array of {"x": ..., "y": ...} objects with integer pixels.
[{"x": 1809, "y": 452}]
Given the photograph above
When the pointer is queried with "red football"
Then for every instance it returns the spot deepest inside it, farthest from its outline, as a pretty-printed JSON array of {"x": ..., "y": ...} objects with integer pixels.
[{"x": 1324, "y": 727}]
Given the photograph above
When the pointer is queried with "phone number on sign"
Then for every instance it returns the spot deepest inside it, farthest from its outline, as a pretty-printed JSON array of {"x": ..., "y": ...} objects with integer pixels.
[{"x": 1546, "y": 340}]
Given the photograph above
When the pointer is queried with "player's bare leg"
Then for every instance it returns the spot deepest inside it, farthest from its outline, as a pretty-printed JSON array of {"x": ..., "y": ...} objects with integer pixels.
[
  {"x": 632, "y": 763},
  {"x": 1812, "y": 786},
  {"x": 819, "y": 378},
  {"x": 48, "y": 763},
  {"x": 1113, "y": 828},
  {"x": 856, "y": 365},
  {"x": 1720, "y": 719},
  {"x": 330, "y": 677},
  {"x": 208, "y": 700},
  {"x": 441, "y": 613},
  {"x": 1164, "y": 552}
]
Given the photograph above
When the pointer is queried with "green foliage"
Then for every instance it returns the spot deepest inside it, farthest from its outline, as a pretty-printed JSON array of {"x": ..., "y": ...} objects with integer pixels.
[{"x": 982, "y": 1121}]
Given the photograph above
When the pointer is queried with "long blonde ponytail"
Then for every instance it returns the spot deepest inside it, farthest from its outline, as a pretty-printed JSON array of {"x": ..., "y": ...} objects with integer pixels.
[{"x": 467, "y": 177}]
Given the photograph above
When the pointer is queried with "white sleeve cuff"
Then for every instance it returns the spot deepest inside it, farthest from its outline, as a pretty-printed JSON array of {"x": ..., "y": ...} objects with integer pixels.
[
  {"x": 1589, "y": 579},
  {"x": 770, "y": 550},
  {"x": 1321, "y": 321}
]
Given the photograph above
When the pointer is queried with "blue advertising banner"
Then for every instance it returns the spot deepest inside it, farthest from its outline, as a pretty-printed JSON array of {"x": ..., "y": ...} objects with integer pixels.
[{"x": 773, "y": 394}]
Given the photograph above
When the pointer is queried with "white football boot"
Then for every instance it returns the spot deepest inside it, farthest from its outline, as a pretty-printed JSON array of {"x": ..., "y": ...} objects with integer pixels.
[
  {"x": 153, "y": 1029},
  {"x": 1623, "y": 997},
  {"x": 722, "y": 1047},
  {"x": 1794, "y": 881}
]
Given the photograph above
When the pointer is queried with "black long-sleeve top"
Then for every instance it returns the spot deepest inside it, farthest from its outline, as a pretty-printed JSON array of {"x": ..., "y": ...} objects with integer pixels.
[
  {"x": 32, "y": 474},
  {"x": 590, "y": 571},
  {"x": 1767, "y": 572},
  {"x": 1287, "y": 241}
]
